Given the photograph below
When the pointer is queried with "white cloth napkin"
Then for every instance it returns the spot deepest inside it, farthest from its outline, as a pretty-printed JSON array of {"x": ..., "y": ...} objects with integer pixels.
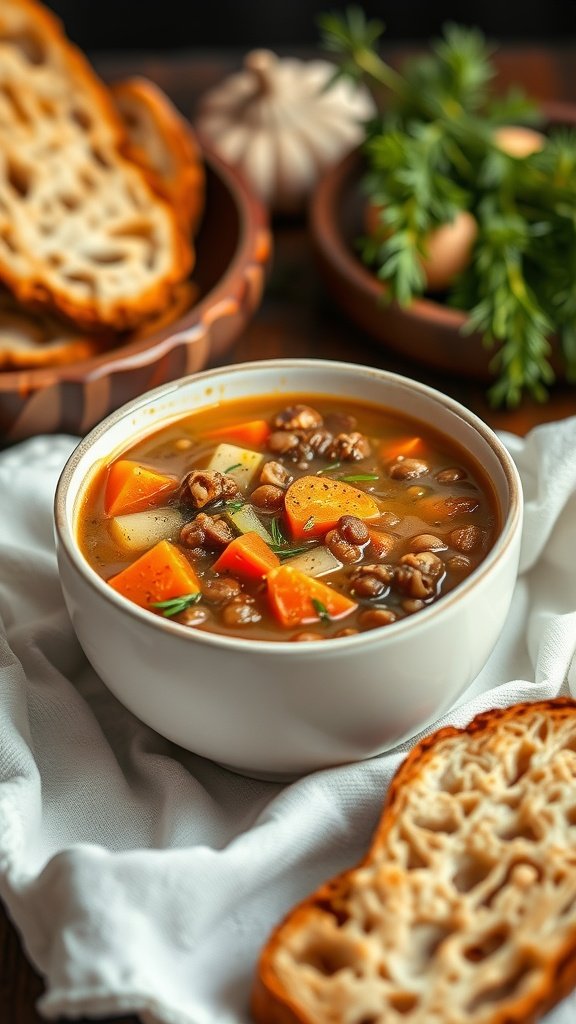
[{"x": 143, "y": 878}]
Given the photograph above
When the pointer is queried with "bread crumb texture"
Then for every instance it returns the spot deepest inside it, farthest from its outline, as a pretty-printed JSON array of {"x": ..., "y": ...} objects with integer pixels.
[
  {"x": 82, "y": 231},
  {"x": 464, "y": 910}
]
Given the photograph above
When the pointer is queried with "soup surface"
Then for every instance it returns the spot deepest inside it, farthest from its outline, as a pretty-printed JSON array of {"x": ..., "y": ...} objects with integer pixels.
[{"x": 297, "y": 518}]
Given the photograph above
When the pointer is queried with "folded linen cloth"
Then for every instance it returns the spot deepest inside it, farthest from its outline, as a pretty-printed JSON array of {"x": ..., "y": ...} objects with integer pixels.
[{"x": 143, "y": 878}]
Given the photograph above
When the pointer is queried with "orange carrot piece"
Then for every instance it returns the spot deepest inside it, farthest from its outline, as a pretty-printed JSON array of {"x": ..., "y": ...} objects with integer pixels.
[
  {"x": 297, "y": 599},
  {"x": 406, "y": 447},
  {"x": 159, "y": 574},
  {"x": 247, "y": 555},
  {"x": 252, "y": 433},
  {"x": 313, "y": 505},
  {"x": 131, "y": 487}
]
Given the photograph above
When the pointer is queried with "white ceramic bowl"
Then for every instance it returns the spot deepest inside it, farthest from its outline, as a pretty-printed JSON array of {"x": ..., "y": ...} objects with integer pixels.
[{"x": 280, "y": 709}]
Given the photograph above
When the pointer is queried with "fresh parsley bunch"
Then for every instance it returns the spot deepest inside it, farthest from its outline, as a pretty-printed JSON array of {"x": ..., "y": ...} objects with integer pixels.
[{"x": 430, "y": 154}]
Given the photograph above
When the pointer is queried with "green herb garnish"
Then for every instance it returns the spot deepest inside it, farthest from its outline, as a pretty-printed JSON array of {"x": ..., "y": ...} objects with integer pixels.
[
  {"x": 330, "y": 468},
  {"x": 235, "y": 465},
  {"x": 280, "y": 545},
  {"x": 353, "y": 478},
  {"x": 290, "y": 552},
  {"x": 276, "y": 533},
  {"x": 234, "y": 505},
  {"x": 176, "y": 605},
  {"x": 309, "y": 524},
  {"x": 431, "y": 155},
  {"x": 321, "y": 610}
]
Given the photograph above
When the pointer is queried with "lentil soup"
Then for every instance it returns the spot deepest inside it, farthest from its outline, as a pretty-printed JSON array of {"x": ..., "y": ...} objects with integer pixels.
[{"x": 297, "y": 518}]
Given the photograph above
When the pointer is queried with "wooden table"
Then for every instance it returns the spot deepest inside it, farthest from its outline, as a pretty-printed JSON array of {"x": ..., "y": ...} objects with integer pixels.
[{"x": 296, "y": 318}]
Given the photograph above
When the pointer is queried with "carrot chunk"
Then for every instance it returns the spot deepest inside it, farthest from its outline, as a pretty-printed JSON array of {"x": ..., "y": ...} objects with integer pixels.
[
  {"x": 247, "y": 555},
  {"x": 401, "y": 447},
  {"x": 131, "y": 487},
  {"x": 297, "y": 599},
  {"x": 251, "y": 433},
  {"x": 161, "y": 573},
  {"x": 313, "y": 505}
]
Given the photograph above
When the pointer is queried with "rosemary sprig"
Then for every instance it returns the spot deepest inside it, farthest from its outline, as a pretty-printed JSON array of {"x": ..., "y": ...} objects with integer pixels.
[
  {"x": 281, "y": 545},
  {"x": 234, "y": 504},
  {"x": 175, "y": 605},
  {"x": 352, "y": 38},
  {"x": 276, "y": 533},
  {"x": 290, "y": 552},
  {"x": 352, "y": 478},
  {"x": 430, "y": 154},
  {"x": 321, "y": 610}
]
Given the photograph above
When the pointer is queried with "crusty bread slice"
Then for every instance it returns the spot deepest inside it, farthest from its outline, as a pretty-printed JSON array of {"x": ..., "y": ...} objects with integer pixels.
[
  {"x": 464, "y": 909},
  {"x": 30, "y": 339},
  {"x": 81, "y": 229},
  {"x": 163, "y": 143}
]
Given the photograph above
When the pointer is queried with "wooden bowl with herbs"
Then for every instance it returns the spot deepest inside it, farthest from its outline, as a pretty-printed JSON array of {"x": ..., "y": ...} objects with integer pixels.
[{"x": 449, "y": 235}]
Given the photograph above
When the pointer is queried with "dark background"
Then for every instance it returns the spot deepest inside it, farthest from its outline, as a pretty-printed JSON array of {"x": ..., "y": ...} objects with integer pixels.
[{"x": 284, "y": 24}]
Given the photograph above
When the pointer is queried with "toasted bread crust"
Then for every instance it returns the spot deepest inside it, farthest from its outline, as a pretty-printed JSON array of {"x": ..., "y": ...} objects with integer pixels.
[
  {"x": 81, "y": 230},
  {"x": 164, "y": 145},
  {"x": 501, "y": 767},
  {"x": 29, "y": 339}
]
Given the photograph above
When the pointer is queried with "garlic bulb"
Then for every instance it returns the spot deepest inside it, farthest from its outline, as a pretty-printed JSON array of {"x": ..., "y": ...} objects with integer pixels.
[{"x": 277, "y": 121}]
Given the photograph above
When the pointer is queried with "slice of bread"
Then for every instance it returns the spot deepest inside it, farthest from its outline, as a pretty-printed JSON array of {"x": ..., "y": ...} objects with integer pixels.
[
  {"x": 464, "y": 909},
  {"x": 81, "y": 229},
  {"x": 29, "y": 339},
  {"x": 163, "y": 143}
]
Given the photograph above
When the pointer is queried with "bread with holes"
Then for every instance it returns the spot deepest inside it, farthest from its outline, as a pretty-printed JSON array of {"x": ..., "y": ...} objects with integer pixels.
[
  {"x": 81, "y": 229},
  {"x": 164, "y": 144},
  {"x": 464, "y": 909}
]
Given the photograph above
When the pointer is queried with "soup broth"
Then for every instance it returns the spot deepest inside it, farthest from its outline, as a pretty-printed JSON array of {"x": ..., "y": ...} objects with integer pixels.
[{"x": 289, "y": 518}]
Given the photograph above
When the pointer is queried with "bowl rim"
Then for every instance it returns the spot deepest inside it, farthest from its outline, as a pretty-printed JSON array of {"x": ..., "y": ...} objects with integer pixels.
[
  {"x": 65, "y": 533},
  {"x": 253, "y": 223}
]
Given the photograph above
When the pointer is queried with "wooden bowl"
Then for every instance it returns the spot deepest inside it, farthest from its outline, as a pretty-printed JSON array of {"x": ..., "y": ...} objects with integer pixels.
[
  {"x": 428, "y": 331},
  {"x": 233, "y": 248}
]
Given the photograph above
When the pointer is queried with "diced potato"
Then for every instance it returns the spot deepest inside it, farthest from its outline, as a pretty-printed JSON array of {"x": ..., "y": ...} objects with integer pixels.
[
  {"x": 241, "y": 464},
  {"x": 140, "y": 530},
  {"x": 246, "y": 521},
  {"x": 318, "y": 561}
]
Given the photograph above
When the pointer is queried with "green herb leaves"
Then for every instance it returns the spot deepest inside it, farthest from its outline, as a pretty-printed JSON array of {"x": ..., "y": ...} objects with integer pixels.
[
  {"x": 321, "y": 610},
  {"x": 354, "y": 478},
  {"x": 235, "y": 504},
  {"x": 348, "y": 478},
  {"x": 176, "y": 605},
  {"x": 281, "y": 546},
  {"x": 433, "y": 153}
]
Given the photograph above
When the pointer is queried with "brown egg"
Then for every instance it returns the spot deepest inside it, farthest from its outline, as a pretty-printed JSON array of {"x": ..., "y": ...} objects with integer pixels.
[
  {"x": 518, "y": 141},
  {"x": 448, "y": 247}
]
